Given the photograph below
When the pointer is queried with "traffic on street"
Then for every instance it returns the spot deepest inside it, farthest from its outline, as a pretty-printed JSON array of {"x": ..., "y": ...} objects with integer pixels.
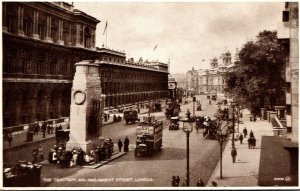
[{"x": 132, "y": 171}]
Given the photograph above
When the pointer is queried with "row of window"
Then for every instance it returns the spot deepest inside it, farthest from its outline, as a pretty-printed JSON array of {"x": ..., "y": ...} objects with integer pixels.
[
  {"x": 123, "y": 87},
  {"x": 114, "y": 101},
  {"x": 28, "y": 61},
  {"x": 112, "y": 74},
  {"x": 86, "y": 34}
]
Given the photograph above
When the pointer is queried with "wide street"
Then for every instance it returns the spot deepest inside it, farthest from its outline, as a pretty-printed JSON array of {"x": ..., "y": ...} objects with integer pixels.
[{"x": 151, "y": 171}]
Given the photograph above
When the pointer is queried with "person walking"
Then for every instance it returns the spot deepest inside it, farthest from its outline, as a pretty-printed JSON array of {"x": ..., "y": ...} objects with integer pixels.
[
  {"x": 241, "y": 138},
  {"x": 245, "y": 131},
  {"x": 40, "y": 154},
  {"x": 188, "y": 113},
  {"x": 9, "y": 138},
  {"x": 251, "y": 134},
  {"x": 35, "y": 154},
  {"x": 120, "y": 145},
  {"x": 126, "y": 144},
  {"x": 233, "y": 154},
  {"x": 177, "y": 180},
  {"x": 44, "y": 127},
  {"x": 253, "y": 142},
  {"x": 200, "y": 183},
  {"x": 249, "y": 143},
  {"x": 48, "y": 129}
]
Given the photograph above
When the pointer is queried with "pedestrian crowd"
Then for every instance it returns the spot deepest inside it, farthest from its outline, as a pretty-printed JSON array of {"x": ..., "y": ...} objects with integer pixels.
[
  {"x": 67, "y": 158},
  {"x": 38, "y": 155},
  {"x": 33, "y": 129},
  {"x": 251, "y": 142},
  {"x": 116, "y": 118},
  {"x": 45, "y": 128}
]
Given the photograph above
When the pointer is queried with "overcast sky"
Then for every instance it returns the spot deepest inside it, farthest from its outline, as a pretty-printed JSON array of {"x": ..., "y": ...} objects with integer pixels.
[{"x": 185, "y": 32}]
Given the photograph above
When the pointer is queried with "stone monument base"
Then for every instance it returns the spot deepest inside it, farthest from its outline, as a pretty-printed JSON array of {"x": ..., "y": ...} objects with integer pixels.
[{"x": 86, "y": 146}]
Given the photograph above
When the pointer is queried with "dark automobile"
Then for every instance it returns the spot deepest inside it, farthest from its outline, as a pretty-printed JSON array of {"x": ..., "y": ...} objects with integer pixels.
[
  {"x": 214, "y": 97},
  {"x": 174, "y": 123},
  {"x": 199, "y": 108},
  {"x": 130, "y": 116}
]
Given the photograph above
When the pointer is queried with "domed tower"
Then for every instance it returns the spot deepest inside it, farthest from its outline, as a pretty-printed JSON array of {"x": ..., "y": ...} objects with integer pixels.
[
  {"x": 214, "y": 63},
  {"x": 226, "y": 58}
]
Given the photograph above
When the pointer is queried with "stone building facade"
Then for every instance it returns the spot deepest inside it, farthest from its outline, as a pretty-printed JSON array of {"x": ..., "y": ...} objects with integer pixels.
[
  {"x": 192, "y": 82},
  {"x": 213, "y": 80},
  {"x": 41, "y": 43},
  {"x": 288, "y": 32}
]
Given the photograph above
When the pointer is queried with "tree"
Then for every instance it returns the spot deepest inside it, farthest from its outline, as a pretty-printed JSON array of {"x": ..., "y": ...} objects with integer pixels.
[{"x": 257, "y": 77}]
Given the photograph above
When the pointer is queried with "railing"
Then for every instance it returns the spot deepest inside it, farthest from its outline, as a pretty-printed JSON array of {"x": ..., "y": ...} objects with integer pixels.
[
  {"x": 278, "y": 128},
  {"x": 20, "y": 128}
]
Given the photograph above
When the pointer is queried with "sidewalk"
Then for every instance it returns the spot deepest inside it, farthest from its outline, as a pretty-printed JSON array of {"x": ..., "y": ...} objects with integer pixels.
[
  {"x": 19, "y": 139},
  {"x": 245, "y": 171}
]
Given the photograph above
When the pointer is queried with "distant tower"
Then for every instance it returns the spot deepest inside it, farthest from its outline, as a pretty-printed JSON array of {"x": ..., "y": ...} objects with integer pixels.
[
  {"x": 226, "y": 58},
  {"x": 214, "y": 63}
]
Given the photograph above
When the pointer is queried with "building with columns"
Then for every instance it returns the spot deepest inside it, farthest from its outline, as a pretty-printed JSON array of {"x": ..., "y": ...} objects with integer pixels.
[
  {"x": 213, "y": 80},
  {"x": 41, "y": 43}
]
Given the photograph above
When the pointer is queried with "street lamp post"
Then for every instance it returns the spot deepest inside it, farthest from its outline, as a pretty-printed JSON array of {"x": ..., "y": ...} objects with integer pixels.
[
  {"x": 222, "y": 135},
  {"x": 233, "y": 121},
  {"x": 194, "y": 100},
  {"x": 238, "y": 118},
  {"x": 187, "y": 128}
]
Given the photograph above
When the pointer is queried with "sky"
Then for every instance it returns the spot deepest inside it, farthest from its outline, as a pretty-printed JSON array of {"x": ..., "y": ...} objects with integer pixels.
[{"x": 187, "y": 33}]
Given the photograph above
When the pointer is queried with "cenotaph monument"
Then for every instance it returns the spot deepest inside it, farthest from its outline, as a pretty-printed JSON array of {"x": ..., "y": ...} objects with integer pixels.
[{"x": 86, "y": 107}]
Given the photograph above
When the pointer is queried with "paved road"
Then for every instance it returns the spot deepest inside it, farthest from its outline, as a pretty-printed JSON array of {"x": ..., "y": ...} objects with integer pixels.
[{"x": 155, "y": 170}]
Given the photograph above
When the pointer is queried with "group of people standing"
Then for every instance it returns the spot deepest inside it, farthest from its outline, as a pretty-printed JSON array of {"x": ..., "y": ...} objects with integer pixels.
[
  {"x": 251, "y": 139},
  {"x": 38, "y": 155},
  {"x": 176, "y": 182},
  {"x": 64, "y": 158},
  {"x": 251, "y": 142},
  {"x": 126, "y": 145},
  {"x": 67, "y": 158},
  {"x": 35, "y": 128}
]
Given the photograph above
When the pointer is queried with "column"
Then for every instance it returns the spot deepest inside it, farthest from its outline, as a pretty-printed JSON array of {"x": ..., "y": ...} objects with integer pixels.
[
  {"x": 47, "y": 107},
  {"x": 33, "y": 109},
  {"x": 35, "y": 34},
  {"x": 4, "y": 26},
  {"x": 77, "y": 42},
  {"x": 18, "y": 112},
  {"x": 93, "y": 39},
  {"x": 70, "y": 34},
  {"x": 60, "y": 32},
  {"x": 20, "y": 21},
  {"x": 59, "y": 106},
  {"x": 48, "y": 29}
]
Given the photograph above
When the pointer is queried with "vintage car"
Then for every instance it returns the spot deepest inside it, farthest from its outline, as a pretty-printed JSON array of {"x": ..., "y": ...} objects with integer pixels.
[
  {"x": 214, "y": 97},
  {"x": 174, "y": 123},
  {"x": 130, "y": 116},
  {"x": 199, "y": 108}
]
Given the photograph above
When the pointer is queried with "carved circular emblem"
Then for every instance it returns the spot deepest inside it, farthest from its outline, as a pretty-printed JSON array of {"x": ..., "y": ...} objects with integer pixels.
[{"x": 79, "y": 97}]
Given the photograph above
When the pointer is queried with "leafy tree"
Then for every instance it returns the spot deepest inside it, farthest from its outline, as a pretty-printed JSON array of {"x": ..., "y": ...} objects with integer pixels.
[{"x": 257, "y": 78}]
